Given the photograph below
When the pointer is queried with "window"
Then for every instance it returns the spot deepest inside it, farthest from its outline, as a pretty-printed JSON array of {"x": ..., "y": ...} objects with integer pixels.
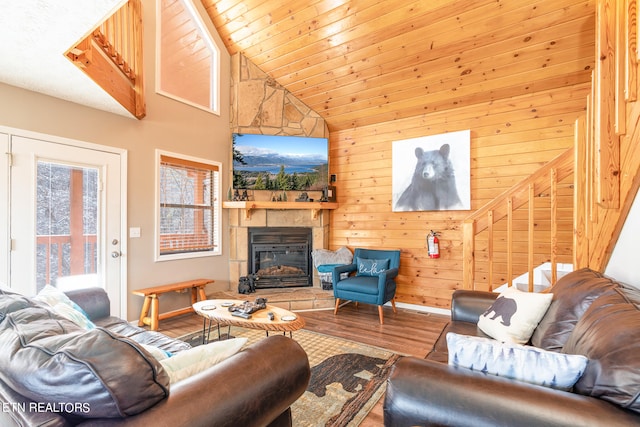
[
  {"x": 188, "y": 219},
  {"x": 188, "y": 60}
]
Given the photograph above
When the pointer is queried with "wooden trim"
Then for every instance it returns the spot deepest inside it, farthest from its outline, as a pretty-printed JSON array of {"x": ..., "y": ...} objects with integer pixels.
[
  {"x": 510, "y": 241},
  {"x": 621, "y": 68},
  {"x": 554, "y": 224},
  {"x": 607, "y": 149},
  {"x": 631, "y": 52},
  {"x": 92, "y": 60},
  {"x": 490, "y": 251},
  {"x": 613, "y": 220},
  {"x": 590, "y": 161},
  {"x": 531, "y": 225},
  {"x": 468, "y": 256},
  {"x": 581, "y": 195},
  {"x": 112, "y": 56},
  {"x": 138, "y": 35},
  {"x": 175, "y": 161},
  {"x": 249, "y": 206}
]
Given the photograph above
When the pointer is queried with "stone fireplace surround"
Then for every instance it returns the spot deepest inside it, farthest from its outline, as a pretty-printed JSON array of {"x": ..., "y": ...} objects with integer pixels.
[
  {"x": 260, "y": 105},
  {"x": 241, "y": 219}
]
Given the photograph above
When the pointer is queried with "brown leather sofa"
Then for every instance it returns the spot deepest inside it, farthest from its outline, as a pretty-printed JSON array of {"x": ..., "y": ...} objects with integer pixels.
[
  {"x": 102, "y": 377},
  {"x": 590, "y": 314}
]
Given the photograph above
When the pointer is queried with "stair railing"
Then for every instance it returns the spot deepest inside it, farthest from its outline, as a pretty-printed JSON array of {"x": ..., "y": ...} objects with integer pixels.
[
  {"x": 542, "y": 183},
  {"x": 111, "y": 55}
]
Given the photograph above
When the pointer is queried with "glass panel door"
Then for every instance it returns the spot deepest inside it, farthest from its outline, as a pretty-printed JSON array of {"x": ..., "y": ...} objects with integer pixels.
[
  {"x": 67, "y": 218},
  {"x": 66, "y": 221}
]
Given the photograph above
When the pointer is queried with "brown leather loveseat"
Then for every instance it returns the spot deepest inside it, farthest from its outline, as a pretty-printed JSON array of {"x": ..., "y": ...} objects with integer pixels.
[
  {"x": 54, "y": 373},
  {"x": 590, "y": 315}
]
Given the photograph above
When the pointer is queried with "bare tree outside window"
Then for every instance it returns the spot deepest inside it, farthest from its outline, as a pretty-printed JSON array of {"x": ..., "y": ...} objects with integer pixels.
[
  {"x": 66, "y": 222},
  {"x": 189, "y": 206}
]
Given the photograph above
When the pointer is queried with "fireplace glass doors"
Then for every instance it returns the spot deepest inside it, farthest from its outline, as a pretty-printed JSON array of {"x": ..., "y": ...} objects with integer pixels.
[{"x": 280, "y": 256}]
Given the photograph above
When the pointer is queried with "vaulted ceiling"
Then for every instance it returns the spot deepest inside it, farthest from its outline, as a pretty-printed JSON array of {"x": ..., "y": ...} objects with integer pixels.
[
  {"x": 362, "y": 62},
  {"x": 355, "y": 62}
]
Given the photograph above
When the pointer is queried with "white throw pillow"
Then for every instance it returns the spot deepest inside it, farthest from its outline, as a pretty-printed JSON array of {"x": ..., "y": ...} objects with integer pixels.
[
  {"x": 514, "y": 315},
  {"x": 64, "y": 306},
  {"x": 190, "y": 362},
  {"x": 518, "y": 362},
  {"x": 156, "y": 352}
]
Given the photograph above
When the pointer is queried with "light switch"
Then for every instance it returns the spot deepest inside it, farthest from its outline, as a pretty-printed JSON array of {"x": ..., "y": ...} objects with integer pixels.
[{"x": 134, "y": 232}]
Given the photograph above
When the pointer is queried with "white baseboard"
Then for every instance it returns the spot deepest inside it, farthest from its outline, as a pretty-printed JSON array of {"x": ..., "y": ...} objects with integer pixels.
[
  {"x": 422, "y": 308},
  {"x": 414, "y": 307}
]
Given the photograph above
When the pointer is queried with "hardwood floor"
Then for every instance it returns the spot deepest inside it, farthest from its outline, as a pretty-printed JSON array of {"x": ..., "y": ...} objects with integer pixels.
[{"x": 408, "y": 332}]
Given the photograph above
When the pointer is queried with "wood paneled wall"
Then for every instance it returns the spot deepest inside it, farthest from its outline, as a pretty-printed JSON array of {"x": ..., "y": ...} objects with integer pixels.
[
  {"x": 516, "y": 73},
  {"x": 613, "y": 126},
  {"x": 510, "y": 138}
]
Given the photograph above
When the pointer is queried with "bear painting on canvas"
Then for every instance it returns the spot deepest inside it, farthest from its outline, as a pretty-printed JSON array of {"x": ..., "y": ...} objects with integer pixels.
[{"x": 434, "y": 181}]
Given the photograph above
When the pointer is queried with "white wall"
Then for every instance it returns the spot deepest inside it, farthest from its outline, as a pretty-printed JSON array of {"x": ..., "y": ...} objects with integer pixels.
[
  {"x": 624, "y": 264},
  {"x": 169, "y": 125}
]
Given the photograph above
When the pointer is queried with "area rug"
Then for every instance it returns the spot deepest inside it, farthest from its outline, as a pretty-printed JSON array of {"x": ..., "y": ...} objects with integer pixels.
[{"x": 347, "y": 378}]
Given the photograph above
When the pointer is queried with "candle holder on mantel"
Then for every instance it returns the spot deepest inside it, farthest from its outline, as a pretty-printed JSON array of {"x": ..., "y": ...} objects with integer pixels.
[
  {"x": 282, "y": 197},
  {"x": 245, "y": 196}
]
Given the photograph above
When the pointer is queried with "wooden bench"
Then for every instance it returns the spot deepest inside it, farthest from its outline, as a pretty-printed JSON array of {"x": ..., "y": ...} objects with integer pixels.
[{"x": 150, "y": 314}]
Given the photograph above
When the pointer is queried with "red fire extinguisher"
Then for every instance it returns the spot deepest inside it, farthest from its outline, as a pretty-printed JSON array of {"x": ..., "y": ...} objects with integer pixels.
[{"x": 433, "y": 245}]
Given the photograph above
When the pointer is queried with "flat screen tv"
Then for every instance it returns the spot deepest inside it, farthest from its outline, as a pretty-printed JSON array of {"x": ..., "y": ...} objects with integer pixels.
[{"x": 280, "y": 163}]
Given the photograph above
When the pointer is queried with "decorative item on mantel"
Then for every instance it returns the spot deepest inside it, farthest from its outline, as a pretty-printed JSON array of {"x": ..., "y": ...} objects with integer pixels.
[
  {"x": 304, "y": 197},
  {"x": 240, "y": 197},
  {"x": 280, "y": 197},
  {"x": 328, "y": 194}
]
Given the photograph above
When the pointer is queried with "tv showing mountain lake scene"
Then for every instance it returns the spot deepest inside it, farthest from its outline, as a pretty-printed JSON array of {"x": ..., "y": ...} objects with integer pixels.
[{"x": 272, "y": 162}]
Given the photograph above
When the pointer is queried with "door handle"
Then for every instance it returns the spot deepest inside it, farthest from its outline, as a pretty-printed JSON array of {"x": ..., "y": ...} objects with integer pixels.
[{"x": 115, "y": 254}]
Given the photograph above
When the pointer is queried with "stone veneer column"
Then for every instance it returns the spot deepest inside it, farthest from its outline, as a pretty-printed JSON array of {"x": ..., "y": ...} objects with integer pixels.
[{"x": 260, "y": 105}]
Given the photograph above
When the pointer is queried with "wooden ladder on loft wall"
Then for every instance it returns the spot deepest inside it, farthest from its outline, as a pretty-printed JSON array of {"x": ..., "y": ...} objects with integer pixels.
[
  {"x": 602, "y": 173},
  {"x": 111, "y": 55}
]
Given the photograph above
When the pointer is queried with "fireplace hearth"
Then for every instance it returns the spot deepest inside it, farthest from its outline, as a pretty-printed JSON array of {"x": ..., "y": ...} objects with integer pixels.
[{"x": 280, "y": 256}]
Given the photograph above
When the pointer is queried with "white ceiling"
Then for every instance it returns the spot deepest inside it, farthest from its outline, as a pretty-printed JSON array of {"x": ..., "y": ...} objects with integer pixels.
[{"x": 34, "y": 34}]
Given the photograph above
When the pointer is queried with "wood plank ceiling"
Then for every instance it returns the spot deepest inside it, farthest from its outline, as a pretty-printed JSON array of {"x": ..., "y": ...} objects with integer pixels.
[
  {"x": 363, "y": 62},
  {"x": 184, "y": 58}
]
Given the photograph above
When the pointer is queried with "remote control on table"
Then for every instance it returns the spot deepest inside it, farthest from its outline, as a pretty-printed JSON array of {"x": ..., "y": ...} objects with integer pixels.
[{"x": 241, "y": 314}]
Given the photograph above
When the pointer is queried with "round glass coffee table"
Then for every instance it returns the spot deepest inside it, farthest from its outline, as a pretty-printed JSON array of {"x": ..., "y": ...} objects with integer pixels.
[{"x": 217, "y": 311}]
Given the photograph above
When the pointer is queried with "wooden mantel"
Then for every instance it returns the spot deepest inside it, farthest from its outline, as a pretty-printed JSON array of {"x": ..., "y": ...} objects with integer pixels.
[{"x": 248, "y": 206}]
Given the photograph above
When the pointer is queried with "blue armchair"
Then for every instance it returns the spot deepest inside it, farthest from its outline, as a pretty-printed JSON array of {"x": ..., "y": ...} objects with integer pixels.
[{"x": 373, "y": 282}]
